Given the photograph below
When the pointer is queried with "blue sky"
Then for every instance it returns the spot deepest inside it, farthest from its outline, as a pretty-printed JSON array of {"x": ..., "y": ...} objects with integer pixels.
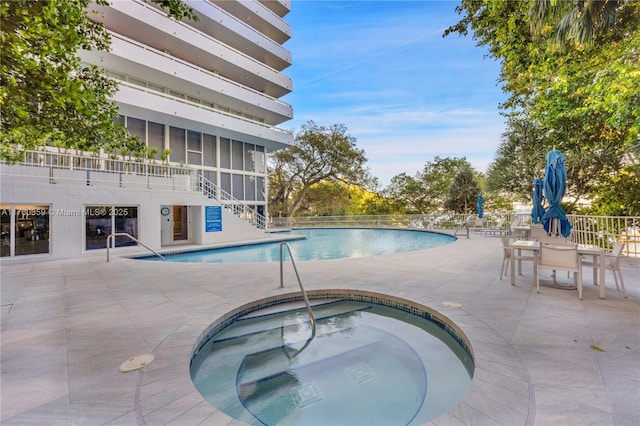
[{"x": 383, "y": 70}]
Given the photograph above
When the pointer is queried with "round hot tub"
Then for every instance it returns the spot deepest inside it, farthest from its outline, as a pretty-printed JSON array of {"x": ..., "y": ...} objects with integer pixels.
[{"x": 369, "y": 360}]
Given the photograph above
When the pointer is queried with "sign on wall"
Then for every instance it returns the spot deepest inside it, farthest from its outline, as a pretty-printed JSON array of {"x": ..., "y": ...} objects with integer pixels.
[{"x": 213, "y": 218}]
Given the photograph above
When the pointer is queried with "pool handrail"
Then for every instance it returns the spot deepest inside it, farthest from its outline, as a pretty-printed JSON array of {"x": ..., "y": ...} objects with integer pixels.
[
  {"x": 303, "y": 291},
  {"x": 124, "y": 234}
]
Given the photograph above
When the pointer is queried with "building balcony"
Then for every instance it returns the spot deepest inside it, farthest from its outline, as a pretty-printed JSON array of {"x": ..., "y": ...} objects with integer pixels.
[
  {"x": 176, "y": 111},
  {"x": 258, "y": 15},
  {"x": 136, "y": 62},
  {"x": 279, "y": 7},
  {"x": 150, "y": 26}
]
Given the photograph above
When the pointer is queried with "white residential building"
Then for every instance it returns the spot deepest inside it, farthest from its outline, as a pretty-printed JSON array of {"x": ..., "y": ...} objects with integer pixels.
[{"x": 205, "y": 98}]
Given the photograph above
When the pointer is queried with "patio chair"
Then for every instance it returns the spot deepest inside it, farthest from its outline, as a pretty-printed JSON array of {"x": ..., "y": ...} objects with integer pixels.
[
  {"x": 478, "y": 225},
  {"x": 498, "y": 229},
  {"x": 538, "y": 233},
  {"x": 506, "y": 256},
  {"x": 563, "y": 257},
  {"x": 612, "y": 263}
]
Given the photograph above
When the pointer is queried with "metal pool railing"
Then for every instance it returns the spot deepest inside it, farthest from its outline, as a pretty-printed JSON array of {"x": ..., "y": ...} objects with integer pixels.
[
  {"x": 131, "y": 237},
  {"x": 304, "y": 292}
]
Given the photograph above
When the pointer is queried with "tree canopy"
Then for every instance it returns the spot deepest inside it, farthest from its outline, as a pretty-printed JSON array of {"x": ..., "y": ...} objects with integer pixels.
[
  {"x": 570, "y": 69},
  {"x": 319, "y": 154},
  {"x": 47, "y": 95},
  {"x": 428, "y": 190}
]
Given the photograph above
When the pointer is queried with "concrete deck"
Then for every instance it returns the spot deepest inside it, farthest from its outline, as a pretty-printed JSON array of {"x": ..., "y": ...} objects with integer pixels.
[{"x": 541, "y": 359}]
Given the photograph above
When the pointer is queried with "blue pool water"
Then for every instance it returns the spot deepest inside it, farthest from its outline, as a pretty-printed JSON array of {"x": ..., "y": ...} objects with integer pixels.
[
  {"x": 367, "y": 365},
  {"x": 321, "y": 244}
]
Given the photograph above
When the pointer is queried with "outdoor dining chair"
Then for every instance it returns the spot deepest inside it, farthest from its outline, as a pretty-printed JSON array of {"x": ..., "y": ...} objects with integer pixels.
[
  {"x": 563, "y": 257},
  {"x": 612, "y": 263},
  {"x": 506, "y": 256}
]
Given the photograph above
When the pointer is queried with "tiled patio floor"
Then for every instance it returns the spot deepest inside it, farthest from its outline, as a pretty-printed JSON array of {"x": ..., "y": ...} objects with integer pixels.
[{"x": 68, "y": 325}]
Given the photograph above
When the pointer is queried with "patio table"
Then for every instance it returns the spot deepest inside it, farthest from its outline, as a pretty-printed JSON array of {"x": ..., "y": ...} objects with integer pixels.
[{"x": 583, "y": 250}]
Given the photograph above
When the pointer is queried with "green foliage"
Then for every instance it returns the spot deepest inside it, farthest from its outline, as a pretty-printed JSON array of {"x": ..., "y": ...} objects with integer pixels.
[
  {"x": 519, "y": 159},
  {"x": 334, "y": 198},
  {"x": 463, "y": 192},
  {"x": 619, "y": 193},
  {"x": 47, "y": 96},
  {"x": 571, "y": 71},
  {"x": 428, "y": 190},
  {"x": 320, "y": 154}
]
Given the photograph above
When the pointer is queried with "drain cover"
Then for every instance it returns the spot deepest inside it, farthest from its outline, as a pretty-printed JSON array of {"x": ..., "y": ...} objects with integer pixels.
[
  {"x": 451, "y": 304},
  {"x": 136, "y": 363}
]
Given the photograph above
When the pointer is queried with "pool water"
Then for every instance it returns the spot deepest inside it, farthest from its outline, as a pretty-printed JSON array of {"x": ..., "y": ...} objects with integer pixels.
[
  {"x": 367, "y": 365},
  {"x": 321, "y": 244}
]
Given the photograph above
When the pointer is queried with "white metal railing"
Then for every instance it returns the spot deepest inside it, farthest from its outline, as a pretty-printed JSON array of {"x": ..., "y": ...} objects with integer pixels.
[
  {"x": 216, "y": 108},
  {"x": 237, "y": 207},
  {"x": 196, "y": 68},
  {"x": 111, "y": 237},
  {"x": 211, "y": 39},
  {"x": 89, "y": 170},
  {"x": 603, "y": 231},
  {"x": 304, "y": 292}
]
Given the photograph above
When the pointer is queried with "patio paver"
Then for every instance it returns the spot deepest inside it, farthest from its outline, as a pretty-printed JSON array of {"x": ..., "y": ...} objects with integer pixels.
[{"x": 67, "y": 325}]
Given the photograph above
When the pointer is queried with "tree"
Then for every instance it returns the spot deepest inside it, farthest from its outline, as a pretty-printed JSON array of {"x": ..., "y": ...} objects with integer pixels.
[
  {"x": 319, "y": 154},
  {"x": 577, "y": 21},
  {"x": 571, "y": 70},
  {"x": 619, "y": 193},
  {"x": 428, "y": 190},
  {"x": 463, "y": 192},
  {"x": 519, "y": 159},
  {"x": 326, "y": 198},
  {"x": 47, "y": 96}
]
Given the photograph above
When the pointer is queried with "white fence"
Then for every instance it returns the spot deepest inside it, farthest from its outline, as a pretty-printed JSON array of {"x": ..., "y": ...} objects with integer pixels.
[{"x": 603, "y": 231}]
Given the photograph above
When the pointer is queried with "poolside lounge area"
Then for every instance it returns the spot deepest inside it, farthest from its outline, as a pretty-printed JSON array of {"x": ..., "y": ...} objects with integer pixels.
[{"x": 541, "y": 358}]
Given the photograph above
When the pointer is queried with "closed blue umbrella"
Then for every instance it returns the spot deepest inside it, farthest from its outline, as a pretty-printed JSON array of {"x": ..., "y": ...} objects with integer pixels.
[
  {"x": 554, "y": 219},
  {"x": 479, "y": 200},
  {"x": 537, "y": 211}
]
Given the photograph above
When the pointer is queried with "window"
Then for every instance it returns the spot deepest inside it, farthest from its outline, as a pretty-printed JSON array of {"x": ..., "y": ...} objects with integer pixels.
[
  {"x": 31, "y": 229},
  {"x": 225, "y": 182},
  {"x": 137, "y": 128},
  {"x": 250, "y": 188},
  {"x": 5, "y": 227},
  {"x": 236, "y": 156},
  {"x": 211, "y": 176},
  {"x": 98, "y": 227},
  {"x": 156, "y": 137},
  {"x": 194, "y": 148},
  {"x": 260, "y": 159},
  {"x": 225, "y": 153},
  {"x": 194, "y": 141},
  {"x": 177, "y": 145},
  {"x": 260, "y": 189},
  {"x": 101, "y": 221},
  {"x": 238, "y": 190},
  {"x": 209, "y": 150},
  {"x": 249, "y": 157}
]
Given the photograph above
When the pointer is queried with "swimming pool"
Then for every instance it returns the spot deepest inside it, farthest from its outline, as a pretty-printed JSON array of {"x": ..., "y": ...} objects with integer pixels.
[
  {"x": 321, "y": 244},
  {"x": 367, "y": 364}
]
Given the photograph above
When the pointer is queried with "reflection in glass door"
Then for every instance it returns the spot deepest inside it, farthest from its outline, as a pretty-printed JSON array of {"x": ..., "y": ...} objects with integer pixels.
[{"x": 180, "y": 223}]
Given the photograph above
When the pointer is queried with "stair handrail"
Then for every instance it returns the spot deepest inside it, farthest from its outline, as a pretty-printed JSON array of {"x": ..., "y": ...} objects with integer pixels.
[
  {"x": 304, "y": 292},
  {"x": 124, "y": 234},
  {"x": 238, "y": 207}
]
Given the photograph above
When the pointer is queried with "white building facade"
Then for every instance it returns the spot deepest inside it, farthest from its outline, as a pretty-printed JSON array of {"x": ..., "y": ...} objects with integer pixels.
[{"x": 205, "y": 99}]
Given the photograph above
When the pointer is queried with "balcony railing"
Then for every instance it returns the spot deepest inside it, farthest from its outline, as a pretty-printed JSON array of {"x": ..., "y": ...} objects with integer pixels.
[{"x": 100, "y": 171}]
